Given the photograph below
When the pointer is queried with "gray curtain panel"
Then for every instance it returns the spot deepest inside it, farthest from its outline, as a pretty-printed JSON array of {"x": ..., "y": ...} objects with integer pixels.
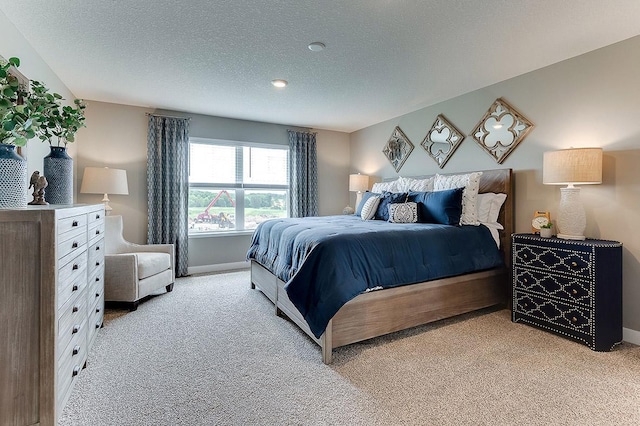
[
  {"x": 168, "y": 185},
  {"x": 303, "y": 174}
]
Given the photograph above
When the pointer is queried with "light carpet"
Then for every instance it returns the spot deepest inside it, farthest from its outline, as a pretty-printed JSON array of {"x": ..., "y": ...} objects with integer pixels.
[{"x": 213, "y": 352}]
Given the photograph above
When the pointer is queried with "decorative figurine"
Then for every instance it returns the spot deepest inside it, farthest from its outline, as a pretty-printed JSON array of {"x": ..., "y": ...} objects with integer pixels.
[{"x": 39, "y": 183}]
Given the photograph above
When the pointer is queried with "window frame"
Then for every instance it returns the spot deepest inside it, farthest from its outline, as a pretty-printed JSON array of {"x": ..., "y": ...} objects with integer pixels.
[{"x": 238, "y": 187}]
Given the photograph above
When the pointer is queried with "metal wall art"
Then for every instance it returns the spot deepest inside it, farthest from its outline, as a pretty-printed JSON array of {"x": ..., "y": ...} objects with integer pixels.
[
  {"x": 501, "y": 129},
  {"x": 398, "y": 148},
  {"x": 442, "y": 140}
]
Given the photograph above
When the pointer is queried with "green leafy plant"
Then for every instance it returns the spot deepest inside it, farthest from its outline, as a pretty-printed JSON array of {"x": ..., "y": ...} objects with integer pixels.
[
  {"x": 58, "y": 123},
  {"x": 547, "y": 226},
  {"x": 19, "y": 119}
]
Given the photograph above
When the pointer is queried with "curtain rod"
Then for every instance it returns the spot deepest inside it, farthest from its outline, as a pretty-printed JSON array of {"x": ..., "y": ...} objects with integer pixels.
[{"x": 165, "y": 116}]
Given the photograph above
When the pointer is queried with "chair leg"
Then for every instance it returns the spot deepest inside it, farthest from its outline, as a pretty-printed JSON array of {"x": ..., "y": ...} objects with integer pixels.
[{"x": 169, "y": 288}]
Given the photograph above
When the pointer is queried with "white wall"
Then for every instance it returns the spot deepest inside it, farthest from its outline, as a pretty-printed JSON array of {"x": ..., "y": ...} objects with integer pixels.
[
  {"x": 589, "y": 101},
  {"x": 12, "y": 43},
  {"x": 116, "y": 136}
]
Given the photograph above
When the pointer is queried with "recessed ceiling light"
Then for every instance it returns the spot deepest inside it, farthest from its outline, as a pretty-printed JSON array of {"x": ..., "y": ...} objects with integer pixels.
[
  {"x": 279, "y": 83},
  {"x": 316, "y": 46}
]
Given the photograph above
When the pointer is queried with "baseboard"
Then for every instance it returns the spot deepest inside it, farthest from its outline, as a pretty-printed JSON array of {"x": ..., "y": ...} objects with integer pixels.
[
  {"x": 631, "y": 336},
  {"x": 204, "y": 269}
]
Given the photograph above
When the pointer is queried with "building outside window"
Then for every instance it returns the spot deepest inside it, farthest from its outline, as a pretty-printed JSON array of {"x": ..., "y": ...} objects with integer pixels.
[{"x": 234, "y": 186}]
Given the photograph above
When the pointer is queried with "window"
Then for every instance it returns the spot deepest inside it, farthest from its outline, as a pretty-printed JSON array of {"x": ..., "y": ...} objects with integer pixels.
[{"x": 233, "y": 186}]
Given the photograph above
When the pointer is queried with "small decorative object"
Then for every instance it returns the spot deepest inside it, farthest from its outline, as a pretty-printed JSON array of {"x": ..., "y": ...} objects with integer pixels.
[
  {"x": 545, "y": 230},
  {"x": 39, "y": 183},
  {"x": 442, "y": 140},
  {"x": 398, "y": 148},
  {"x": 539, "y": 220},
  {"x": 501, "y": 129},
  {"x": 570, "y": 167},
  {"x": 19, "y": 120},
  {"x": 58, "y": 127},
  {"x": 348, "y": 210}
]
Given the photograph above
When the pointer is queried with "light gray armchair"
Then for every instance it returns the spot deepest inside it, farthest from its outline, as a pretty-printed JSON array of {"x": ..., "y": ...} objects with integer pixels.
[{"x": 134, "y": 271}]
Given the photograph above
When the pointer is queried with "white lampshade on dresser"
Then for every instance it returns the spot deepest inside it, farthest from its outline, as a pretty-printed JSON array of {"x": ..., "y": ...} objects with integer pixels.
[
  {"x": 575, "y": 166},
  {"x": 103, "y": 180}
]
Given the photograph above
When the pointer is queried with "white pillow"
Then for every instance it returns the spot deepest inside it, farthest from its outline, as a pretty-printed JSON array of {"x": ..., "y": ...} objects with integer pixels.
[
  {"x": 421, "y": 185},
  {"x": 489, "y": 205},
  {"x": 380, "y": 187},
  {"x": 471, "y": 183},
  {"x": 370, "y": 207}
]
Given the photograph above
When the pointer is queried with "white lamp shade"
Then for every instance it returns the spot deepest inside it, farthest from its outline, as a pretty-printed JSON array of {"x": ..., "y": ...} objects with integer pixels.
[
  {"x": 103, "y": 180},
  {"x": 577, "y": 166},
  {"x": 358, "y": 182}
]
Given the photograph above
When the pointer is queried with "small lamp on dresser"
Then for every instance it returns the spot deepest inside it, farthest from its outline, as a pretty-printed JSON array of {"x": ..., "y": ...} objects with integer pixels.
[
  {"x": 358, "y": 183},
  {"x": 103, "y": 180},
  {"x": 575, "y": 166}
]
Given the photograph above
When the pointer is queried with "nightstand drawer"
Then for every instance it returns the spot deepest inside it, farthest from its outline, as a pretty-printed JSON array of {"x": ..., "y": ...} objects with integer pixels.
[
  {"x": 555, "y": 316},
  {"x": 571, "y": 262},
  {"x": 561, "y": 287}
]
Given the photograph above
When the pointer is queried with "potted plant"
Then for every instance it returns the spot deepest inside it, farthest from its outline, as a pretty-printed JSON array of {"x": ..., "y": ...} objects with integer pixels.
[
  {"x": 19, "y": 121},
  {"x": 58, "y": 126},
  {"x": 546, "y": 231}
]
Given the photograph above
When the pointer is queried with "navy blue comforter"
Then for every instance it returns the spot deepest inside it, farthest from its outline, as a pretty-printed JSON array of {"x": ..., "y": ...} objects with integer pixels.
[{"x": 327, "y": 261}]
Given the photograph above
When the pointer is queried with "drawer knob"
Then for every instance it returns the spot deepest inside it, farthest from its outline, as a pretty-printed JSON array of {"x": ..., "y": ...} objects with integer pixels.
[
  {"x": 574, "y": 291},
  {"x": 97, "y": 310},
  {"x": 74, "y": 223},
  {"x": 97, "y": 248},
  {"x": 76, "y": 328},
  {"x": 97, "y": 232},
  {"x": 97, "y": 263},
  {"x": 97, "y": 294},
  {"x": 97, "y": 216},
  {"x": 76, "y": 349},
  {"x": 74, "y": 245},
  {"x": 76, "y": 370},
  {"x": 574, "y": 319},
  {"x": 525, "y": 280},
  {"x": 75, "y": 309},
  {"x": 74, "y": 267},
  {"x": 74, "y": 288},
  {"x": 574, "y": 264},
  {"x": 97, "y": 279}
]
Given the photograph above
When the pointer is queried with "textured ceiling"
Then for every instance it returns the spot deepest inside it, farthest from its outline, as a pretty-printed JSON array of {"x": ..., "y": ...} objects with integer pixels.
[{"x": 383, "y": 58}]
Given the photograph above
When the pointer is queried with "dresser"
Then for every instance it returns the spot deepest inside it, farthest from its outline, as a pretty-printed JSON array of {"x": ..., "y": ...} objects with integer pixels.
[
  {"x": 571, "y": 288},
  {"x": 51, "y": 282}
]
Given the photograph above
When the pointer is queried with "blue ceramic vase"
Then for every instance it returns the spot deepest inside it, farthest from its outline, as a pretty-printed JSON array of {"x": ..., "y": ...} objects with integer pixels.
[
  {"x": 58, "y": 169},
  {"x": 13, "y": 178}
]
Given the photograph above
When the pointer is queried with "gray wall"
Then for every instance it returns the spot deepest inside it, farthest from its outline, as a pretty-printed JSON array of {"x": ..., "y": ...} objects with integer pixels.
[
  {"x": 589, "y": 101},
  {"x": 116, "y": 136}
]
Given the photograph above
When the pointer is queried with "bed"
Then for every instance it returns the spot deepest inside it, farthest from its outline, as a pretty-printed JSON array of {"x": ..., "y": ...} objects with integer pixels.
[{"x": 381, "y": 311}]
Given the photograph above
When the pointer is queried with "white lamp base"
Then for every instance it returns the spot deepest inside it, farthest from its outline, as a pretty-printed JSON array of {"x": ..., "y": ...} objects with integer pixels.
[
  {"x": 358, "y": 198},
  {"x": 107, "y": 207},
  {"x": 572, "y": 219}
]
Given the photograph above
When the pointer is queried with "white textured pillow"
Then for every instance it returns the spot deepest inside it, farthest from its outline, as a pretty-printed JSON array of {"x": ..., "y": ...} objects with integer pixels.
[
  {"x": 489, "y": 205},
  {"x": 370, "y": 207},
  {"x": 393, "y": 186},
  {"x": 421, "y": 185},
  {"x": 471, "y": 183}
]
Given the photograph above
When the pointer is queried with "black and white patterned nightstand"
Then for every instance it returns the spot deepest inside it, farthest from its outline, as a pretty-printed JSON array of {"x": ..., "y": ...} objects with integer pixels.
[{"x": 572, "y": 288}]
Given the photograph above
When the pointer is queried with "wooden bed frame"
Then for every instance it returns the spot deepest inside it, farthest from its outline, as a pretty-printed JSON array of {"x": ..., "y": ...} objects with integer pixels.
[{"x": 384, "y": 311}]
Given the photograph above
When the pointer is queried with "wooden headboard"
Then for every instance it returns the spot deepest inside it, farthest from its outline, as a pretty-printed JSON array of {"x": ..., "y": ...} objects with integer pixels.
[{"x": 497, "y": 181}]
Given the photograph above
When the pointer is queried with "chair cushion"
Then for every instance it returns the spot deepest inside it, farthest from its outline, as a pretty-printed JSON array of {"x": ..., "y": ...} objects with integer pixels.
[{"x": 151, "y": 263}]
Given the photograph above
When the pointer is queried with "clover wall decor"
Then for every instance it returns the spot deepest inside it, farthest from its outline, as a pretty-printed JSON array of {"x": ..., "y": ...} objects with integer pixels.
[
  {"x": 442, "y": 140},
  {"x": 501, "y": 129},
  {"x": 397, "y": 149}
]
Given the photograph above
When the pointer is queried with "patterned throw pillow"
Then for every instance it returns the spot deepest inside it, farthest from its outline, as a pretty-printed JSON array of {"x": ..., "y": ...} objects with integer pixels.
[
  {"x": 370, "y": 207},
  {"x": 471, "y": 184},
  {"x": 403, "y": 212}
]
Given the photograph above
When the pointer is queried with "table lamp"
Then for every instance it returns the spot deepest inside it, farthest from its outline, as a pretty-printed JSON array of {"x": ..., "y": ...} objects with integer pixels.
[
  {"x": 575, "y": 166},
  {"x": 103, "y": 180},
  {"x": 358, "y": 183}
]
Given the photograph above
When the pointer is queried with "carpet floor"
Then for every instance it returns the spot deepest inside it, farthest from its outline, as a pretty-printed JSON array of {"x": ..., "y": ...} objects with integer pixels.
[{"x": 213, "y": 352}]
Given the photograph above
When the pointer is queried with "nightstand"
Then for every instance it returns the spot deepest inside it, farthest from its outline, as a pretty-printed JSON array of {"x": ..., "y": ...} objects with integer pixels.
[{"x": 571, "y": 288}]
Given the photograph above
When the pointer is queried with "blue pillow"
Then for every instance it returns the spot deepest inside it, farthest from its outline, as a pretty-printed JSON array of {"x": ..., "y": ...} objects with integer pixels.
[
  {"x": 385, "y": 199},
  {"x": 365, "y": 197},
  {"x": 444, "y": 207}
]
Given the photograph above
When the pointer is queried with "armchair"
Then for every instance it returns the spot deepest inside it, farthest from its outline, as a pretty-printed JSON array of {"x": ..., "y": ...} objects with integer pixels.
[{"x": 134, "y": 271}]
